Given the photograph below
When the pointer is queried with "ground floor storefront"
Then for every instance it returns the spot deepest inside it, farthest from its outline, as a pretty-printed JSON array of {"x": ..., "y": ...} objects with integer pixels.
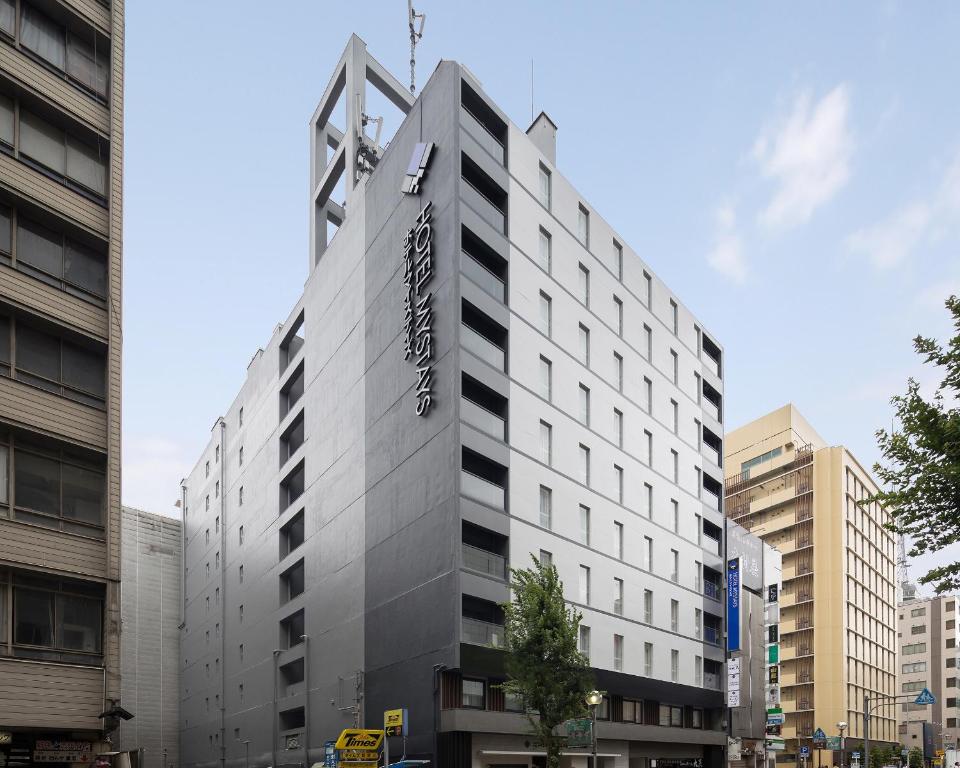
[{"x": 52, "y": 749}]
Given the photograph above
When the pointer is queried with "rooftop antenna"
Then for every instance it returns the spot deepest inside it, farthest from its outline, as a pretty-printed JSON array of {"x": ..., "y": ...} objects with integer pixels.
[{"x": 415, "y": 35}]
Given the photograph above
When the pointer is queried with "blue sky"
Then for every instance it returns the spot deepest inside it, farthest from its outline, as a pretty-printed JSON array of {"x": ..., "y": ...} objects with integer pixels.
[{"x": 792, "y": 172}]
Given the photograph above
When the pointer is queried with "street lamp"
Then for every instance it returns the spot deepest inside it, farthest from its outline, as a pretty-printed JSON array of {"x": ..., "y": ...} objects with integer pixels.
[
  {"x": 841, "y": 726},
  {"x": 593, "y": 701},
  {"x": 246, "y": 743}
]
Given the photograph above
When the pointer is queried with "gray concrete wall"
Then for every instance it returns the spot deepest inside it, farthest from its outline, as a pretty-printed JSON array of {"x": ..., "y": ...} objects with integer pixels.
[{"x": 150, "y": 637}]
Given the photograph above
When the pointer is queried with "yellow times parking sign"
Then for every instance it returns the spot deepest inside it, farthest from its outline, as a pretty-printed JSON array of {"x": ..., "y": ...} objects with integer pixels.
[{"x": 360, "y": 739}]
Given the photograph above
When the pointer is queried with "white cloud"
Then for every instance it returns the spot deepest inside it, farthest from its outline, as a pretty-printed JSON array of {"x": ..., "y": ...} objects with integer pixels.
[
  {"x": 807, "y": 153},
  {"x": 891, "y": 241},
  {"x": 152, "y": 470},
  {"x": 726, "y": 257}
]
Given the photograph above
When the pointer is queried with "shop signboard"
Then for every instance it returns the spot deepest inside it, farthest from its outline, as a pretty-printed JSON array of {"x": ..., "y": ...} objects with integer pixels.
[{"x": 55, "y": 751}]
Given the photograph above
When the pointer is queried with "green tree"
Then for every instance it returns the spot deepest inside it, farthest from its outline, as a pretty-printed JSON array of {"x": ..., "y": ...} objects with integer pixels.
[
  {"x": 921, "y": 459},
  {"x": 544, "y": 666},
  {"x": 915, "y": 758}
]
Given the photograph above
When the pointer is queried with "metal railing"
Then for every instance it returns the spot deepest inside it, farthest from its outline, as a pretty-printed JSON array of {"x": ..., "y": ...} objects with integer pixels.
[
  {"x": 478, "y": 632},
  {"x": 481, "y": 560},
  {"x": 484, "y": 206},
  {"x": 482, "y": 490},
  {"x": 482, "y": 347},
  {"x": 482, "y": 134},
  {"x": 486, "y": 421},
  {"x": 483, "y": 277}
]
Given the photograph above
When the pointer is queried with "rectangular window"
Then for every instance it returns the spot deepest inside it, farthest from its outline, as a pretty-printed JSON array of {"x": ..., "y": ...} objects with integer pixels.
[
  {"x": 585, "y": 525},
  {"x": 675, "y": 561},
  {"x": 57, "y": 619},
  {"x": 618, "y": 427},
  {"x": 546, "y": 443},
  {"x": 584, "y": 405},
  {"x": 918, "y": 629},
  {"x": 675, "y": 615},
  {"x": 675, "y": 674},
  {"x": 647, "y": 395},
  {"x": 676, "y": 366},
  {"x": 618, "y": 260},
  {"x": 647, "y": 350},
  {"x": 647, "y": 456},
  {"x": 618, "y": 596},
  {"x": 648, "y": 659},
  {"x": 674, "y": 316},
  {"x": 584, "y": 285},
  {"x": 51, "y": 483},
  {"x": 618, "y": 653},
  {"x": 648, "y": 606},
  {"x": 618, "y": 371},
  {"x": 546, "y": 507},
  {"x": 59, "y": 259},
  {"x": 676, "y": 465},
  {"x": 675, "y": 411},
  {"x": 618, "y": 540},
  {"x": 647, "y": 553},
  {"x": 545, "y": 191},
  {"x": 545, "y": 250},
  {"x": 584, "y": 464},
  {"x": 618, "y": 482},
  {"x": 648, "y": 500},
  {"x": 583, "y": 225},
  {"x": 618, "y": 315},
  {"x": 546, "y": 558},
  {"x": 546, "y": 379},
  {"x": 584, "y": 585},
  {"x": 647, "y": 293},
  {"x": 546, "y": 314},
  {"x": 292, "y": 534},
  {"x": 60, "y": 366},
  {"x": 585, "y": 641},
  {"x": 676, "y": 515},
  {"x": 473, "y": 694},
  {"x": 584, "y": 345},
  {"x": 697, "y": 623}
]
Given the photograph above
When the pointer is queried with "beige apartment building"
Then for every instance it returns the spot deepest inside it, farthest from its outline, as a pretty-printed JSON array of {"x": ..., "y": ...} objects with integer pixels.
[
  {"x": 61, "y": 155},
  {"x": 927, "y": 632},
  {"x": 838, "y": 606}
]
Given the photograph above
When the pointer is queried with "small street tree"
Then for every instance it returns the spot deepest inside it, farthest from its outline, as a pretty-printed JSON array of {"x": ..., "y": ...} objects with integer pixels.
[
  {"x": 544, "y": 666},
  {"x": 915, "y": 758},
  {"x": 921, "y": 459}
]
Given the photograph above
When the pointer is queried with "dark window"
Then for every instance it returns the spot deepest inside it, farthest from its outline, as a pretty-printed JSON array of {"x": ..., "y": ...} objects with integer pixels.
[
  {"x": 292, "y": 391},
  {"x": 60, "y": 366},
  {"x": 292, "y": 582},
  {"x": 57, "y": 619},
  {"x": 292, "y": 718},
  {"x": 58, "y": 486},
  {"x": 291, "y": 439},
  {"x": 292, "y": 486},
  {"x": 292, "y": 343},
  {"x": 291, "y": 535},
  {"x": 291, "y": 630},
  {"x": 671, "y": 716},
  {"x": 473, "y": 694}
]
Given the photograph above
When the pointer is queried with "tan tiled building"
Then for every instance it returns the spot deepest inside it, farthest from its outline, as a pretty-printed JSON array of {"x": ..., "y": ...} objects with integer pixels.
[
  {"x": 61, "y": 169},
  {"x": 838, "y": 607},
  {"x": 928, "y": 659}
]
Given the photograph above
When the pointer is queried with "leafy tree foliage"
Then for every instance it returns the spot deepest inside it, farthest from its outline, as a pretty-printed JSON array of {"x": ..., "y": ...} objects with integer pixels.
[
  {"x": 915, "y": 758},
  {"x": 921, "y": 459},
  {"x": 544, "y": 665}
]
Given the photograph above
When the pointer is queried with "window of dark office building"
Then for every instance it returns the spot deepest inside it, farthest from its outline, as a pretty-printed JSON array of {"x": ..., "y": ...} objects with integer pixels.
[
  {"x": 292, "y": 630},
  {"x": 291, "y": 534}
]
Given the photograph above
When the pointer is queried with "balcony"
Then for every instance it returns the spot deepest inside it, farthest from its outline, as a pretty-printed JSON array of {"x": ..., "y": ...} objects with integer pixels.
[
  {"x": 483, "y": 348},
  {"x": 711, "y": 635},
  {"x": 711, "y": 590},
  {"x": 482, "y": 561},
  {"x": 484, "y": 633},
  {"x": 484, "y": 420},
  {"x": 483, "y": 135},
  {"x": 484, "y": 206},
  {"x": 483, "y": 277},
  {"x": 482, "y": 490}
]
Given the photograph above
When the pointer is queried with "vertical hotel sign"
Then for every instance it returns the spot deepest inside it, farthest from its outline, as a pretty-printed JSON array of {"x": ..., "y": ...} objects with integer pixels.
[
  {"x": 733, "y": 604},
  {"x": 418, "y": 304}
]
